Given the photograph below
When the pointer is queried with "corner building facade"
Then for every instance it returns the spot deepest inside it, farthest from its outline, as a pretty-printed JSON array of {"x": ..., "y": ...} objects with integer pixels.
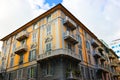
[{"x": 55, "y": 46}]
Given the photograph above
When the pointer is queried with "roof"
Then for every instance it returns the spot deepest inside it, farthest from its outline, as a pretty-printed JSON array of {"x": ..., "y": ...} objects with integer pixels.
[{"x": 57, "y": 7}]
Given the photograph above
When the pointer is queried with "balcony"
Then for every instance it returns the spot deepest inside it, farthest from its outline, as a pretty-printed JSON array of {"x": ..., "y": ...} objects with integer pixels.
[
  {"x": 96, "y": 54},
  {"x": 113, "y": 64},
  {"x": 102, "y": 68},
  {"x": 102, "y": 58},
  {"x": 100, "y": 49},
  {"x": 21, "y": 49},
  {"x": 70, "y": 38},
  {"x": 59, "y": 52},
  {"x": 22, "y": 35},
  {"x": 69, "y": 23},
  {"x": 116, "y": 74},
  {"x": 94, "y": 43},
  {"x": 111, "y": 56}
]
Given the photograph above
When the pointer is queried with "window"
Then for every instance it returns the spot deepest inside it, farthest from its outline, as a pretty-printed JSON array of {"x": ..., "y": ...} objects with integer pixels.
[
  {"x": 80, "y": 53},
  {"x": 21, "y": 59},
  {"x": 32, "y": 55},
  {"x": 89, "y": 58},
  {"x": 11, "y": 62},
  {"x": 69, "y": 46},
  {"x": 35, "y": 26},
  {"x": 79, "y": 39},
  {"x": 96, "y": 61},
  {"x": 19, "y": 75},
  {"x": 87, "y": 45},
  {"x": 22, "y": 42},
  {"x": 48, "y": 30},
  {"x": 4, "y": 50},
  {"x": 48, "y": 47},
  {"x": 49, "y": 18},
  {"x": 92, "y": 74},
  {"x": 32, "y": 72},
  {"x": 14, "y": 46},
  {"x": 86, "y": 35},
  {"x": 34, "y": 36},
  {"x": 49, "y": 69},
  {"x": 11, "y": 76},
  {"x": 83, "y": 72},
  {"x": 2, "y": 64}
]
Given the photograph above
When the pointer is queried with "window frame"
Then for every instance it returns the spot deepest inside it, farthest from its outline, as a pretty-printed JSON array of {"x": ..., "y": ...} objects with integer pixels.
[
  {"x": 34, "y": 36},
  {"x": 48, "y": 46},
  {"x": 32, "y": 55},
  {"x": 49, "y": 18},
  {"x": 48, "y": 30},
  {"x": 32, "y": 72}
]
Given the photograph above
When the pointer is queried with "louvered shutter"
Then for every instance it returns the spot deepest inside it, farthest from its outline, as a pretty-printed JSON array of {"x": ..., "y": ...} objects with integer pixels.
[{"x": 34, "y": 71}]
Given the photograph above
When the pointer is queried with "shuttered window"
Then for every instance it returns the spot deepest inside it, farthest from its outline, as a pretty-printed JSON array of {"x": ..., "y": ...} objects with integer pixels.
[
  {"x": 34, "y": 37},
  {"x": 49, "y": 69},
  {"x": 48, "y": 30},
  {"x": 32, "y": 55},
  {"x": 87, "y": 45},
  {"x": 48, "y": 47},
  {"x": 32, "y": 72}
]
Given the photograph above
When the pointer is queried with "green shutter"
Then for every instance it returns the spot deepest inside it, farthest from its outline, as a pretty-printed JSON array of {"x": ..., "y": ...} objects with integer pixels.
[
  {"x": 34, "y": 54},
  {"x": 34, "y": 72},
  {"x": 28, "y": 73}
]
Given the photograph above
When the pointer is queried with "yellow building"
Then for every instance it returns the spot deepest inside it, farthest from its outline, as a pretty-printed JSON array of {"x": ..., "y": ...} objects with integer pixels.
[{"x": 54, "y": 46}]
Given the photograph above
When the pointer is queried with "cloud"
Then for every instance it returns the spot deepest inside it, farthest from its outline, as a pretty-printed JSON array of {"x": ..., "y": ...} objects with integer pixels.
[
  {"x": 15, "y": 13},
  {"x": 100, "y": 16}
]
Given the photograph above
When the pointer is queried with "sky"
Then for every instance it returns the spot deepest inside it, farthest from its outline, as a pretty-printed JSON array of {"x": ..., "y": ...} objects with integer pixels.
[{"x": 102, "y": 17}]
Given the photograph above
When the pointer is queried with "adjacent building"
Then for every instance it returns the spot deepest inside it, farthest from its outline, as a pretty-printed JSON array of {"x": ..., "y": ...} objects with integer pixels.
[
  {"x": 56, "y": 46},
  {"x": 115, "y": 46}
]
